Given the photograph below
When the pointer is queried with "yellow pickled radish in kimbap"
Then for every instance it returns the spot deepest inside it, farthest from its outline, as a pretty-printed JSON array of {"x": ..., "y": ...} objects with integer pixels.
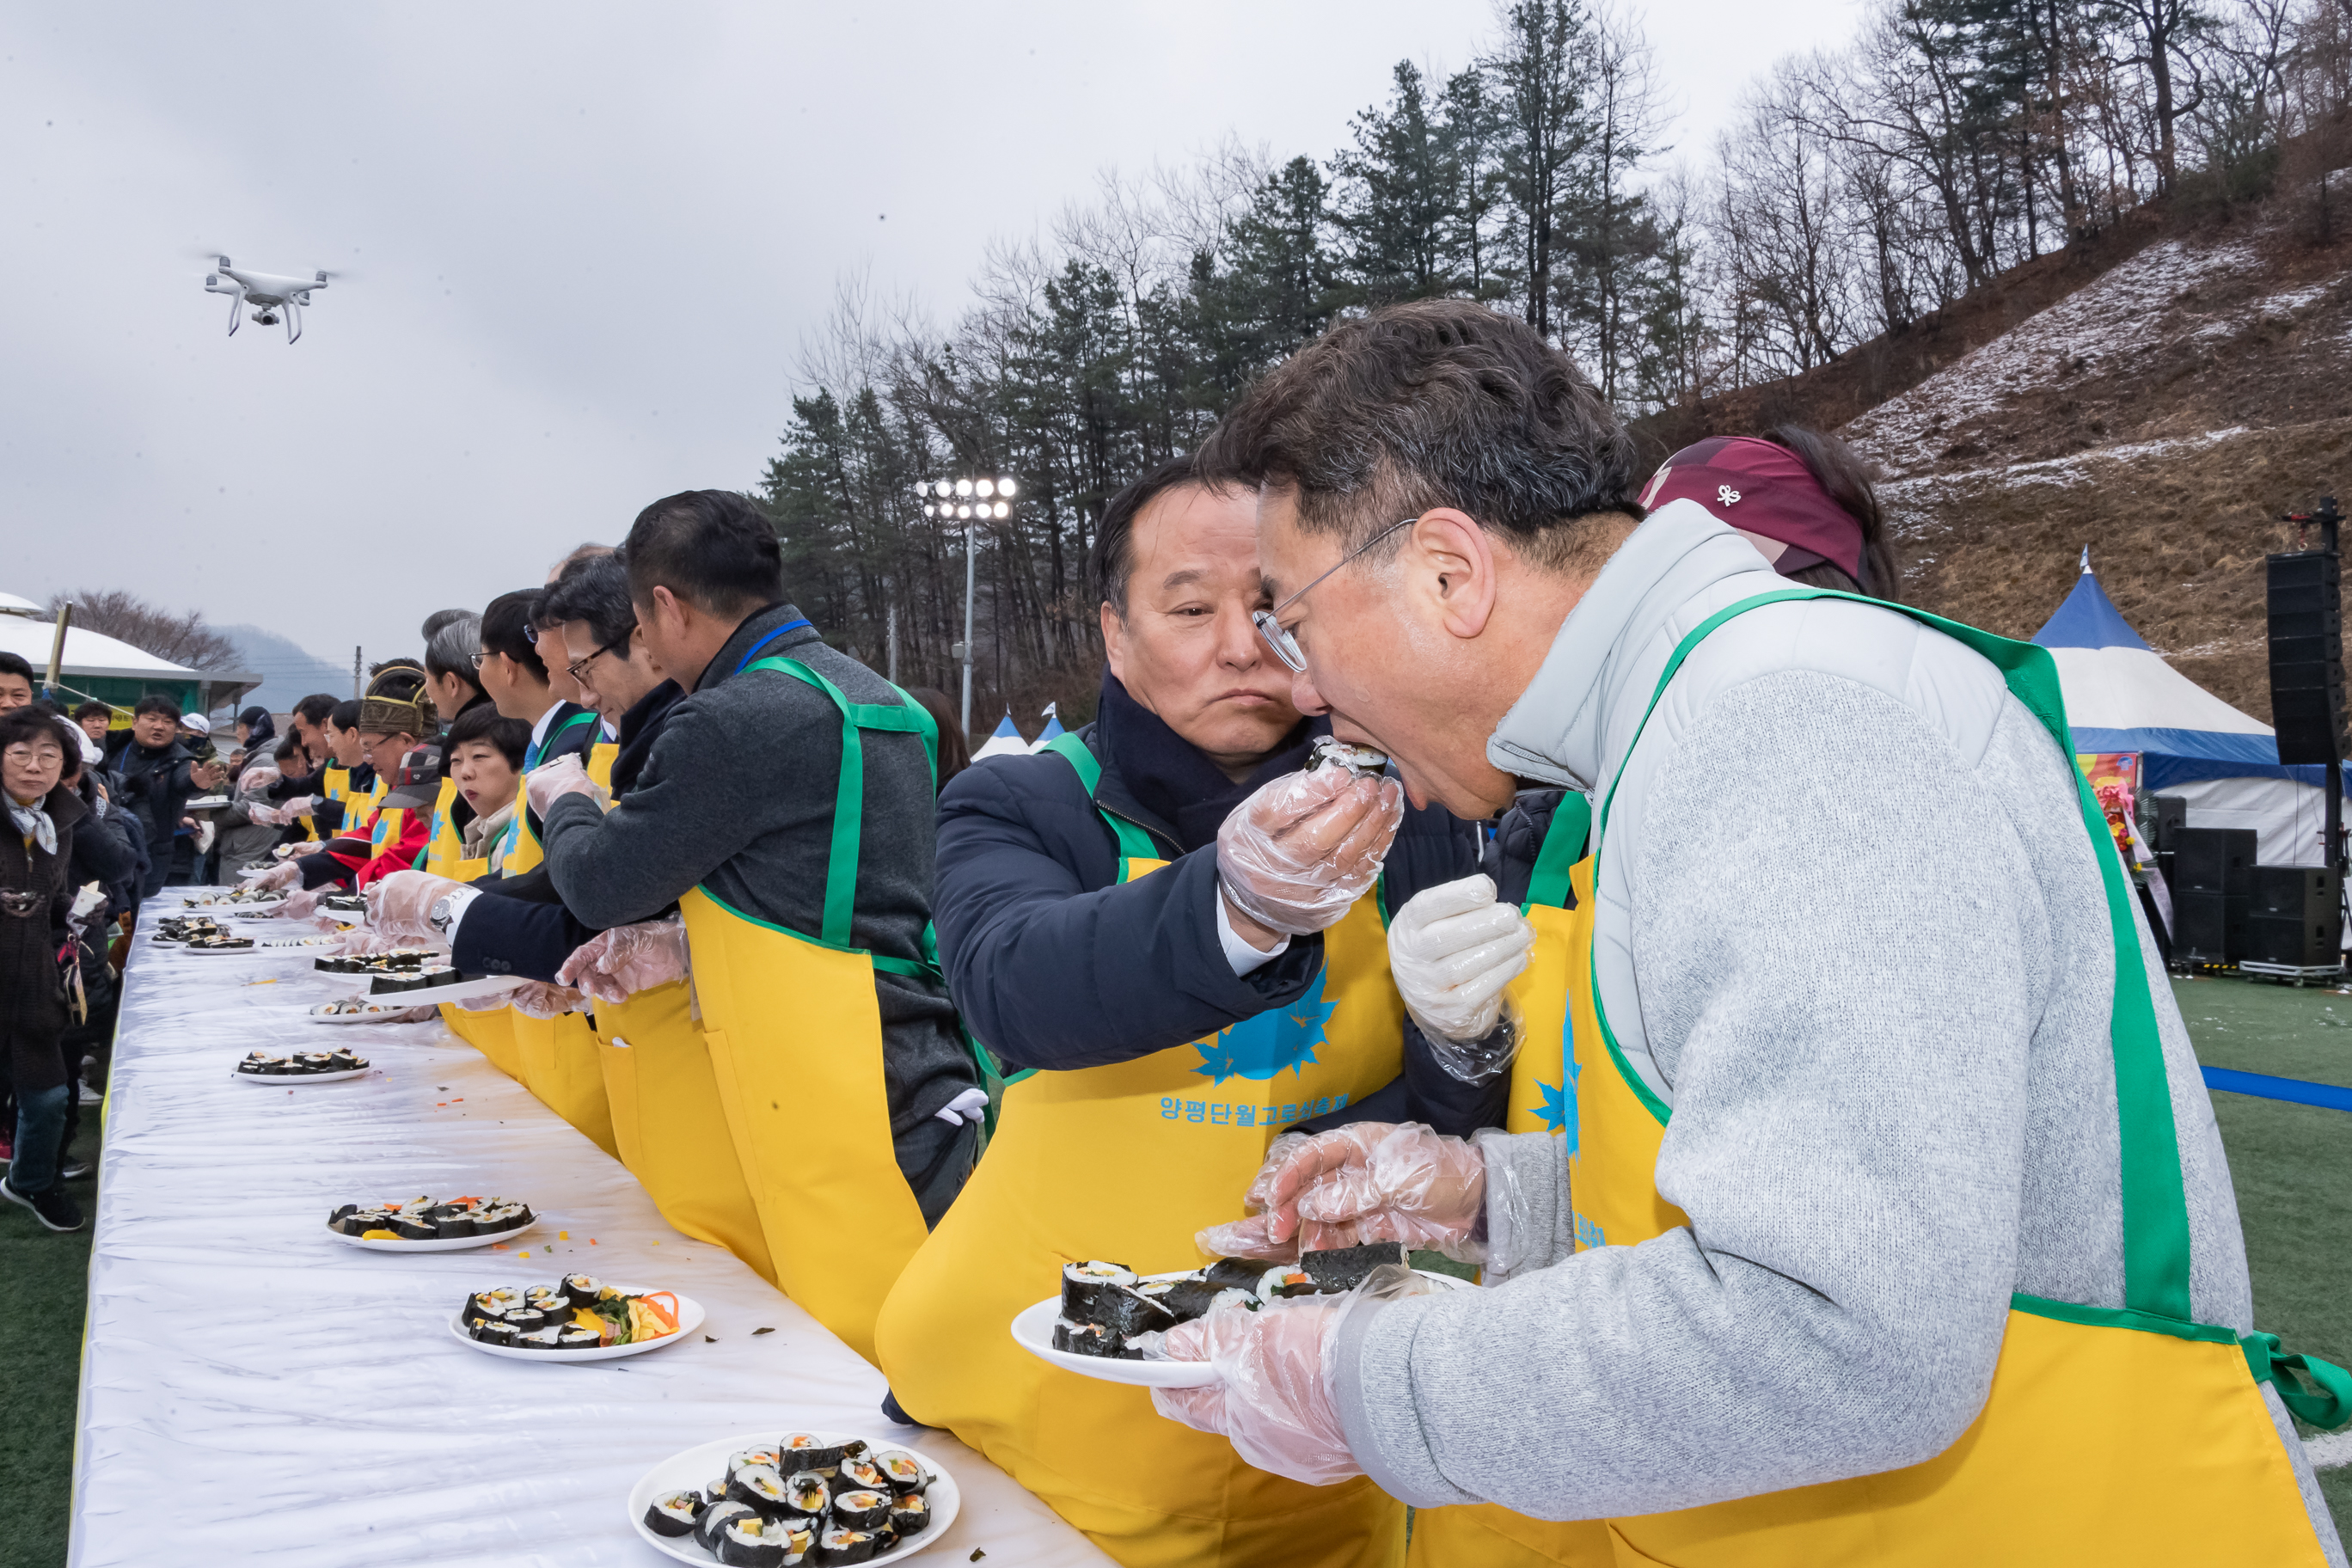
[
  {"x": 673, "y": 1514},
  {"x": 751, "y": 1541},
  {"x": 864, "y": 1474},
  {"x": 581, "y": 1289},
  {"x": 842, "y": 1546},
  {"x": 807, "y": 1493},
  {"x": 861, "y": 1510}
]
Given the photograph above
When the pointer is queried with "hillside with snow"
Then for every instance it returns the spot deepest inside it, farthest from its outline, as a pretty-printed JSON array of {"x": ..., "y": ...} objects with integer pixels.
[{"x": 2165, "y": 413}]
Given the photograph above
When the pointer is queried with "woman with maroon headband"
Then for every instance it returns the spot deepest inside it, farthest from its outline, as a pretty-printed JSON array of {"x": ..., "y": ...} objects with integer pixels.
[{"x": 1804, "y": 500}]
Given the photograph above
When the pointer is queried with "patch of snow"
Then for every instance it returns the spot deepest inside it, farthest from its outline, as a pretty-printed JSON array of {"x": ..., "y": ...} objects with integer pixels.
[
  {"x": 2065, "y": 471},
  {"x": 2108, "y": 317}
]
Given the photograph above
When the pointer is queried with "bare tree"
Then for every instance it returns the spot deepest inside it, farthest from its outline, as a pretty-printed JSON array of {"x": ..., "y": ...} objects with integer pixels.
[{"x": 180, "y": 636}]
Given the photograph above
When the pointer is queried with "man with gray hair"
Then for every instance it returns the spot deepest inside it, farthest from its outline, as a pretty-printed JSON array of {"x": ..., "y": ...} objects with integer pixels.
[{"x": 1890, "y": 1221}]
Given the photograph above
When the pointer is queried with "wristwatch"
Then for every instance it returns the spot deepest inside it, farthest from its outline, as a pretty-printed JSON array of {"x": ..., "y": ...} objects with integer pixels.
[{"x": 443, "y": 914}]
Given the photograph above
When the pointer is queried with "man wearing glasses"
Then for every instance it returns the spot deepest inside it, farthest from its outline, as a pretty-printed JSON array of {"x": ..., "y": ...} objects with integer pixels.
[
  {"x": 1139, "y": 924},
  {"x": 1888, "y": 1163}
]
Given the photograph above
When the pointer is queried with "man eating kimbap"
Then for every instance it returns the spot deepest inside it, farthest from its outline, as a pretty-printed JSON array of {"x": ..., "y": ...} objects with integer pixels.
[{"x": 1174, "y": 932}]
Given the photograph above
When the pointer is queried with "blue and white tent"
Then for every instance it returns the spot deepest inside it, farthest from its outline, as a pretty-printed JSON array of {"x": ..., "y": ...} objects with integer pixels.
[
  {"x": 2121, "y": 696},
  {"x": 1005, "y": 742},
  {"x": 1052, "y": 727}
]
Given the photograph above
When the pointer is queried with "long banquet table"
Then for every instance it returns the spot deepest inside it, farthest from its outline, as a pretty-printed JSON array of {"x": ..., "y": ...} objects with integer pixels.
[{"x": 253, "y": 1391}]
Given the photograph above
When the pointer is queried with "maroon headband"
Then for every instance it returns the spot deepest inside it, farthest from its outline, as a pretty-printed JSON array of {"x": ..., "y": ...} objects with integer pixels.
[{"x": 1764, "y": 491}]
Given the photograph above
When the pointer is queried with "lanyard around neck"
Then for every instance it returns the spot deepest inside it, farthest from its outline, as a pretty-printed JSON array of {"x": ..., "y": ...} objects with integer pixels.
[{"x": 745, "y": 662}]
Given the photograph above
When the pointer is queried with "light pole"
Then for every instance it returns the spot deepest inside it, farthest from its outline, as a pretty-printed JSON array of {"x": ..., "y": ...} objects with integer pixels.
[{"x": 966, "y": 501}]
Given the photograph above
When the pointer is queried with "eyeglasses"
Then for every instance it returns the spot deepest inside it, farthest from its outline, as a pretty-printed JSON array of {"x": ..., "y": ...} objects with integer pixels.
[
  {"x": 579, "y": 671},
  {"x": 1269, "y": 626},
  {"x": 478, "y": 657}
]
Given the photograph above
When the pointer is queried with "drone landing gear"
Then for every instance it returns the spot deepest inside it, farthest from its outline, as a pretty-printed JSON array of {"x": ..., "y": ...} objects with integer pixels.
[
  {"x": 293, "y": 321},
  {"x": 236, "y": 311}
]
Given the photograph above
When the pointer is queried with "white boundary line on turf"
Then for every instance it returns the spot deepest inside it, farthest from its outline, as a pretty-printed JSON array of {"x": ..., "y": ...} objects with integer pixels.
[{"x": 2329, "y": 1451}]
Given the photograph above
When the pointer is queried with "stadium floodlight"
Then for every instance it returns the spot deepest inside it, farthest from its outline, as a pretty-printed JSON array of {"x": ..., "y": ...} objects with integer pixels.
[
  {"x": 1005, "y": 489},
  {"x": 946, "y": 489},
  {"x": 963, "y": 487},
  {"x": 986, "y": 487},
  {"x": 1003, "y": 511}
]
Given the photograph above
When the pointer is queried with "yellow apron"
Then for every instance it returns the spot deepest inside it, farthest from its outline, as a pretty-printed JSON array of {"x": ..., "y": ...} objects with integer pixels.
[
  {"x": 2130, "y": 1435},
  {"x": 445, "y": 856},
  {"x": 794, "y": 1034},
  {"x": 522, "y": 849},
  {"x": 1127, "y": 1161},
  {"x": 669, "y": 1127},
  {"x": 336, "y": 784},
  {"x": 1556, "y": 1018}
]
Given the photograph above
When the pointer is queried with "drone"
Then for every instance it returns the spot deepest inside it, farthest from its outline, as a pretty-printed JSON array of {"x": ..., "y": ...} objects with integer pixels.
[{"x": 270, "y": 296}]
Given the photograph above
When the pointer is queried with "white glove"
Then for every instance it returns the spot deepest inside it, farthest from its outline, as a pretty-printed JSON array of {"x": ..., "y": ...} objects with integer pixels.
[
  {"x": 286, "y": 874},
  {"x": 301, "y": 805},
  {"x": 1303, "y": 848},
  {"x": 1453, "y": 949},
  {"x": 565, "y": 775},
  {"x": 262, "y": 815},
  {"x": 253, "y": 781}
]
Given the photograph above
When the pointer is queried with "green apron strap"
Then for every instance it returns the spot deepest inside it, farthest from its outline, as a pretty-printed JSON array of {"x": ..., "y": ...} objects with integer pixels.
[
  {"x": 1563, "y": 847},
  {"x": 2328, "y": 1408},
  {"x": 1134, "y": 843},
  {"x": 2155, "y": 1200},
  {"x": 848, "y": 803}
]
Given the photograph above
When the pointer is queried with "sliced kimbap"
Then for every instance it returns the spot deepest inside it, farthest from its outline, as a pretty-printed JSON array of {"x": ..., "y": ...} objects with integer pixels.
[
  {"x": 341, "y": 1213},
  {"x": 1344, "y": 1268},
  {"x": 807, "y": 1494},
  {"x": 576, "y": 1338},
  {"x": 539, "y": 1340},
  {"x": 499, "y": 1299},
  {"x": 1087, "y": 1339},
  {"x": 1120, "y": 1308},
  {"x": 762, "y": 1487},
  {"x": 1231, "y": 1273},
  {"x": 750, "y": 1541},
  {"x": 902, "y": 1470},
  {"x": 910, "y": 1514},
  {"x": 1190, "y": 1299},
  {"x": 808, "y": 1452},
  {"x": 393, "y": 983},
  {"x": 1083, "y": 1283},
  {"x": 673, "y": 1514},
  {"x": 493, "y": 1330},
  {"x": 861, "y": 1510},
  {"x": 345, "y": 1061},
  {"x": 581, "y": 1289},
  {"x": 840, "y": 1545},
  {"x": 706, "y": 1528},
  {"x": 864, "y": 1474},
  {"x": 411, "y": 1230},
  {"x": 768, "y": 1456},
  {"x": 450, "y": 1225},
  {"x": 1283, "y": 1281}
]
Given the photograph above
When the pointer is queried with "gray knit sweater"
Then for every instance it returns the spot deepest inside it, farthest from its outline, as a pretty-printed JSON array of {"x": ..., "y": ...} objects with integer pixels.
[{"x": 1849, "y": 927}]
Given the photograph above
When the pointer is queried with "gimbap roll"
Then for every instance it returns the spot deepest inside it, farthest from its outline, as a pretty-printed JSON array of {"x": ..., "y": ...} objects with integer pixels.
[
  {"x": 1083, "y": 1283},
  {"x": 492, "y": 1330},
  {"x": 539, "y": 1340},
  {"x": 861, "y": 1510},
  {"x": 440, "y": 975},
  {"x": 409, "y": 1229},
  {"x": 750, "y": 1541},
  {"x": 448, "y": 1225},
  {"x": 854, "y": 1449},
  {"x": 715, "y": 1493},
  {"x": 864, "y": 1474},
  {"x": 807, "y": 1494},
  {"x": 706, "y": 1528},
  {"x": 581, "y": 1289},
  {"x": 1087, "y": 1339},
  {"x": 393, "y": 983},
  {"x": 910, "y": 1514},
  {"x": 1341, "y": 1268},
  {"x": 763, "y": 1487},
  {"x": 806, "y": 1452},
  {"x": 902, "y": 1470},
  {"x": 768, "y": 1456},
  {"x": 528, "y": 1320},
  {"x": 1189, "y": 1299},
  {"x": 345, "y": 1061},
  {"x": 1283, "y": 1281},
  {"x": 576, "y": 1338},
  {"x": 1231, "y": 1273},
  {"x": 673, "y": 1514},
  {"x": 499, "y": 1299},
  {"x": 840, "y": 1545},
  {"x": 1121, "y": 1309}
]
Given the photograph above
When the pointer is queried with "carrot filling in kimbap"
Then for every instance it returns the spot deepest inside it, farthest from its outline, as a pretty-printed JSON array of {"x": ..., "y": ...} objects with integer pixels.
[
  {"x": 807, "y": 1494},
  {"x": 910, "y": 1514},
  {"x": 901, "y": 1470},
  {"x": 673, "y": 1514}
]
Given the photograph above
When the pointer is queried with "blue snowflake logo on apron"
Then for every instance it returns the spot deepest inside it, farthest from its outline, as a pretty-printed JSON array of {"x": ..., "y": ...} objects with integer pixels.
[
  {"x": 1558, "y": 1111},
  {"x": 1262, "y": 1046}
]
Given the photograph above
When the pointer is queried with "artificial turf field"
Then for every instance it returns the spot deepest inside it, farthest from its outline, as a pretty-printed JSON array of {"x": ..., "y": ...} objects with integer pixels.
[{"x": 2292, "y": 1165}]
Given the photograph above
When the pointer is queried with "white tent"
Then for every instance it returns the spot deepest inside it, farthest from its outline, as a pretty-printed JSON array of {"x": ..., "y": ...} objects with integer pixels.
[
  {"x": 1053, "y": 729},
  {"x": 96, "y": 665},
  {"x": 2122, "y": 697},
  {"x": 1005, "y": 742}
]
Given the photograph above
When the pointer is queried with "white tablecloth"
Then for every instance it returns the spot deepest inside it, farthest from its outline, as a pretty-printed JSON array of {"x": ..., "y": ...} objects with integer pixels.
[{"x": 254, "y": 1392}]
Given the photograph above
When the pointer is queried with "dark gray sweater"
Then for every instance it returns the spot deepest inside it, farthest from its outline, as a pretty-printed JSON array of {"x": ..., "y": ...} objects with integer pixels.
[{"x": 737, "y": 797}]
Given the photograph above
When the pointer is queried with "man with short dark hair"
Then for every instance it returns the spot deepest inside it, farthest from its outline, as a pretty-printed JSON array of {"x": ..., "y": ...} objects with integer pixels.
[
  {"x": 605, "y": 654},
  {"x": 158, "y": 774},
  {"x": 808, "y": 901},
  {"x": 1093, "y": 941},
  {"x": 16, "y": 682},
  {"x": 514, "y": 677},
  {"x": 1887, "y": 1161}
]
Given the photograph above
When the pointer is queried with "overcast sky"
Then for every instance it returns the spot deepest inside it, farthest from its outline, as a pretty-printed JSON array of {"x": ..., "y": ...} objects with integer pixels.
[{"x": 585, "y": 243}]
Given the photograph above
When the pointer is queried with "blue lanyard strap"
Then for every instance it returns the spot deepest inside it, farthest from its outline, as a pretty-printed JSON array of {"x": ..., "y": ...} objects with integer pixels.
[{"x": 745, "y": 663}]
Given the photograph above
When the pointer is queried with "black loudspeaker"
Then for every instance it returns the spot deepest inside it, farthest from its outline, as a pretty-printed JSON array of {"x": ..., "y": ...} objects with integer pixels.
[
  {"x": 2291, "y": 917},
  {"x": 2208, "y": 928},
  {"x": 2212, "y": 861},
  {"x": 2307, "y": 646},
  {"x": 2170, "y": 815}
]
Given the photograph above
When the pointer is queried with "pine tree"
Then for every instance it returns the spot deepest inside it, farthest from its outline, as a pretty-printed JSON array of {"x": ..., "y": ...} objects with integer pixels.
[{"x": 1394, "y": 200}]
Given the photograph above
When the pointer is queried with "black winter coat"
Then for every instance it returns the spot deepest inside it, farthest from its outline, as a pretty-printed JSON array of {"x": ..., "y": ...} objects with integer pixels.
[
  {"x": 1056, "y": 964},
  {"x": 32, "y": 1009}
]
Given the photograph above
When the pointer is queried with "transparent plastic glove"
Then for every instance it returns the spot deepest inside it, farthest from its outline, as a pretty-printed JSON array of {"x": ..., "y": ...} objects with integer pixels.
[
  {"x": 1373, "y": 1181},
  {"x": 1305, "y": 846},
  {"x": 536, "y": 999},
  {"x": 1453, "y": 949},
  {"x": 301, "y": 805},
  {"x": 301, "y": 904},
  {"x": 286, "y": 874},
  {"x": 1247, "y": 1238},
  {"x": 357, "y": 942},
  {"x": 253, "y": 781},
  {"x": 564, "y": 775},
  {"x": 263, "y": 815},
  {"x": 1274, "y": 1401},
  {"x": 399, "y": 903},
  {"x": 418, "y": 1014},
  {"x": 615, "y": 965}
]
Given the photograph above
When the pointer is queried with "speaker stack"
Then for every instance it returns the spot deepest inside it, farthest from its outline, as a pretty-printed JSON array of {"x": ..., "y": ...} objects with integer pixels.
[
  {"x": 2213, "y": 887},
  {"x": 2291, "y": 914},
  {"x": 2306, "y": 648}
]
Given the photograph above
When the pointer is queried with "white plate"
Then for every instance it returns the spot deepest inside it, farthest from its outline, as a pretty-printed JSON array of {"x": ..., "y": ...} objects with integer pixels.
[
  {"x": 1033, "y": 1331},
  {"x": 205, "y": 802},
  {"x": 380, "y": 1016},
  {"x": 300, "y": 1078},
  {"x": 247, "y": 906},
  {"x": 458, "y": 990},
  {"x": 226, "y": 952},
  {"x": 454, "y": 1244},
  {"x": 690, "y": 1318},
  {"x": 697, "y": 1468}
]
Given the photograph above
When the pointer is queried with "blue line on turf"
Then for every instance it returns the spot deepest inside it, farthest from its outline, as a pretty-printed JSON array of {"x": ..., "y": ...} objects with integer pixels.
[{"x": 2268, "y": 1087}]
